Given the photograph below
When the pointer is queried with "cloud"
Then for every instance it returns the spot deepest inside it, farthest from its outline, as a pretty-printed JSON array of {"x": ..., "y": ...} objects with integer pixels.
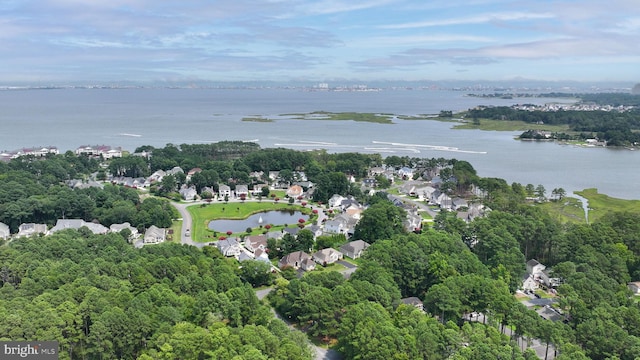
[{"x": 475, "y": 19}]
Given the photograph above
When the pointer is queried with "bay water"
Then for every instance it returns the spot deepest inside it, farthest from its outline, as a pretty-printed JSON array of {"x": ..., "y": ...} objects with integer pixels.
[{"x": 69, "y": 118}]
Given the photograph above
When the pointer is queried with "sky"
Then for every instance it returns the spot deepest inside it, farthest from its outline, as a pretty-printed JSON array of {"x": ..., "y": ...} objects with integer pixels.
[{"x": 324, "y": 40}]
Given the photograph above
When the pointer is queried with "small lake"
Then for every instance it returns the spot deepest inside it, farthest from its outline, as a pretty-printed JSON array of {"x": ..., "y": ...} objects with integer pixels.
[{"x": 274, "y": 217}]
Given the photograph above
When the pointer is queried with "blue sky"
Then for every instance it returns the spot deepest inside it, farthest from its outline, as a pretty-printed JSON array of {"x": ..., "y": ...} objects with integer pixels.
[{"x": 245, "y": 40}]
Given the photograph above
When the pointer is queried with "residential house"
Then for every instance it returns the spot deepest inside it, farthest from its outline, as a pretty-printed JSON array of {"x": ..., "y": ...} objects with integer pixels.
[
  {"x": 274, "y": 235},
  {"x": 257, "y": 188},
  {"x": 28, "y": 229},
  {"x": 369, "y": 182},
  {"x": 116, "y": 228},
  {"x": 349, "y": 202},
  {"x": 291, "y": 230},
  {"x": 548, "y": 280},
  {"x": 436, "y": 181},
  {"x": 305, "y": 184},
  {"x": 224, "y": 190},
  {"x": 534, "y": 273},
  {"x": 413, "y": 222},
  {"x": 192, "y": 172},
  {"x": 255, "y": 242},
  {"x": 242, "y": 190},
  {"x": 297, "y": 260},
  {"x": 375, "y": 171},
  {"x": 274, "y": 175},
  {"x": 315, "y": 230},
  {"x": 534, "y": 267},
  {"x": 424, "y": 192},
  {"x": 188, "y": 193},
  {"x": 207, "y": 189},
  {"x": 354, "y": 249},
  {"x": 63, "y": 224},
  {"x": 354, "y": 211},
  {"x": 327, "y": 256},
  {"x": 261, "y": 255},
  {"x": 107, "y": 152},
  {"x": 634, "y": 286},
  {"x": 156, "y": 176},
  {"x": 175, "y": 170},
  {"x": 154, "y": 235},
  {"x": 229, "y": 247},
  {"x": 458, "y": 203},
  {"x": 81, "y": 184},
  {"x": 257, "y": 175},
  {"x": 335, "y": 200},
  {"x": 294, "y": 191},
  {"x": 405, "y": 173},
  {"x": 413, "y": 301},
  {"x": 4, "y": 231},
  {"x": 335, "y": 226}
]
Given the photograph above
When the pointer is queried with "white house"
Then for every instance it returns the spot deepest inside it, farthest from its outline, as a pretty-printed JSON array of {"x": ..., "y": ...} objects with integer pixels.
[
  {"x": 327, "y": 256},
  {"x": 154, "y": 235},
  {"x": 4, "y": 231}
]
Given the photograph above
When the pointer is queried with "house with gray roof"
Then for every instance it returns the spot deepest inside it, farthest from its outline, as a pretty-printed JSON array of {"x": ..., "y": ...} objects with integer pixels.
[
  {"x": 28, "y": 229},
  {"x": 335, "y": 226},
  {"x": 224, "y": 190},
  {"x": 327, "y": 256},
  {"x": 242, "y": 190},
  {"x": 354, "y": 249},
  {"x": 116, "y": 228},
  {"x": 297, "y": 260},
  {"x": 64, "y": 224},
  {"x": 154, "y": 235},
  {"x": 413, "y": 301},
  {"x": 188, "y": 193},
  {"x": 229, "y": 247}
]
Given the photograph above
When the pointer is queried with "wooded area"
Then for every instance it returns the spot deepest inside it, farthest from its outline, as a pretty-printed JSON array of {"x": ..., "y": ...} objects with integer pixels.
[{"x": 103, "y": 299}]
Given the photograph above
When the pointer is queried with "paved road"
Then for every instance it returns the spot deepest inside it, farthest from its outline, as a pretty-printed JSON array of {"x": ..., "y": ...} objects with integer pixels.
[{"x": 186, "y": 224}]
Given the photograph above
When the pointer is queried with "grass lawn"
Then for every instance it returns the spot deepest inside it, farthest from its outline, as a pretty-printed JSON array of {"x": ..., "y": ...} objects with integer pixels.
[
  {"x": 600, "y": 204},
  {"x": 202, "y": 215},
  {"x": 176, "y": 226},
  {"x": 543, "y": 294},
  {"x": 503, "y": 125},
  {"x": 567, "y": 210}
]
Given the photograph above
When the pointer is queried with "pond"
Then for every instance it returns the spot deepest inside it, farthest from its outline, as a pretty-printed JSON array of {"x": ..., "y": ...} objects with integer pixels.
[{"x": 274, "y": 217}]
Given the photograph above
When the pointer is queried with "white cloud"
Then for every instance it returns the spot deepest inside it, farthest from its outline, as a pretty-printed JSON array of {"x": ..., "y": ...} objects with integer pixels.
[{"x": 475, "y": 19}]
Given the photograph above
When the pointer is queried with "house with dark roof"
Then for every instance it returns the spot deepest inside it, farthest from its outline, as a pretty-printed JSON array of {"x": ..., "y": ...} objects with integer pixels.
[
  {"x": 354, "y": 249},
  {"x": 413, "y": 301},
  {"x": 242, "y": 190},
  {"x": 297, "y": 260}
]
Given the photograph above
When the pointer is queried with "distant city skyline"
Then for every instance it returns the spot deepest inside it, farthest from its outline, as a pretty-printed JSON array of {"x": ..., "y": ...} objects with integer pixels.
[{"x": 325, "y": 41}]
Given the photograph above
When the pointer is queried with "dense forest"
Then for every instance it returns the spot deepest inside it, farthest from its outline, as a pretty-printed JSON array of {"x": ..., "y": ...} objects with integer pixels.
[{"x": 103, "y": 299}]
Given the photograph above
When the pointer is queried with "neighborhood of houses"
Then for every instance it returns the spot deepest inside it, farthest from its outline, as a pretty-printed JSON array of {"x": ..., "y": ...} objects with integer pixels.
[
  {"x": 344, "y": 211},
  {"x": 97, "y": 151}
]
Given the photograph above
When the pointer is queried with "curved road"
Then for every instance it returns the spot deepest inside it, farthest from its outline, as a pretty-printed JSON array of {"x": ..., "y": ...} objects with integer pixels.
[{"x": 186, "y": 224}]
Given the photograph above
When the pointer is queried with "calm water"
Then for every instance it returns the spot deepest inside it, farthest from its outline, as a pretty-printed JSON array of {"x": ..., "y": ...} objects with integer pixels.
[
  {"x": 270, "y": 217},
  {"x": 134, "y": 117}
]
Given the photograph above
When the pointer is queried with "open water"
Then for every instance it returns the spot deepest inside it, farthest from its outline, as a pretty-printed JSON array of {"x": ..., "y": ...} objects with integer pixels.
[{"x": 69, "y": 118}]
